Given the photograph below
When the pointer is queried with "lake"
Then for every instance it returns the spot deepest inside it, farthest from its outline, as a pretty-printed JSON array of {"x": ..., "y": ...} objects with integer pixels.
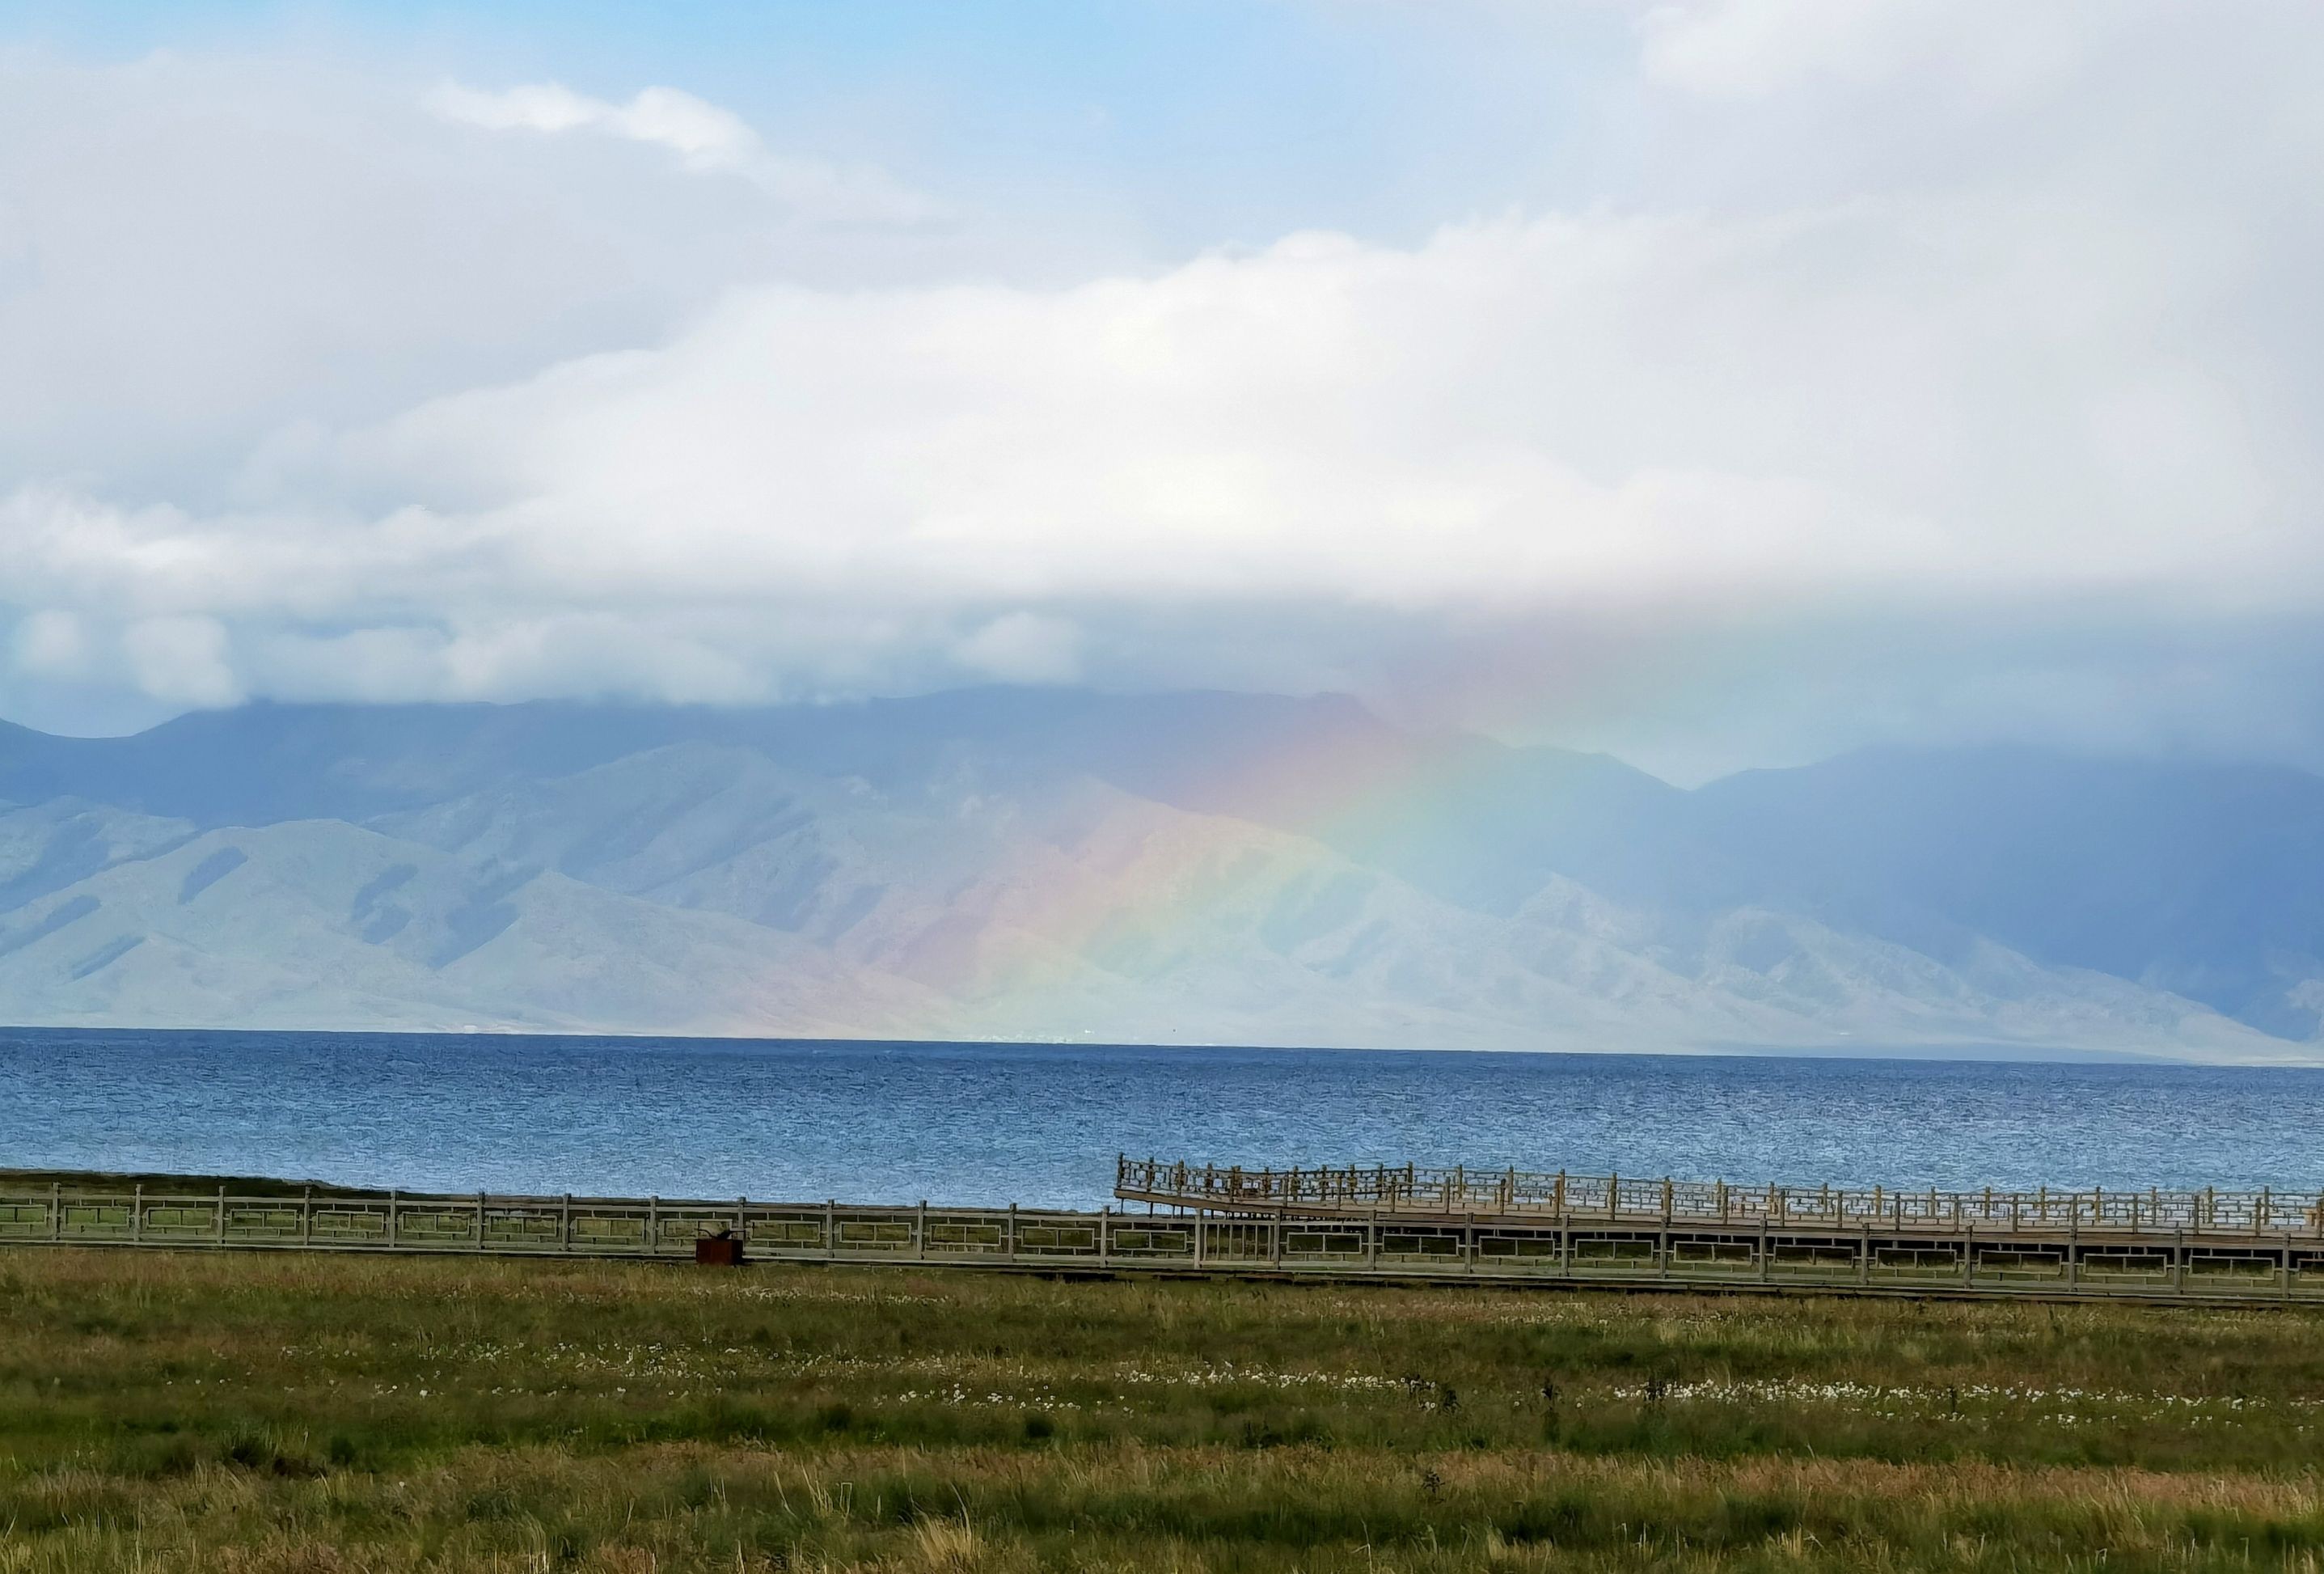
[{"x": 1041, "y": 1124}]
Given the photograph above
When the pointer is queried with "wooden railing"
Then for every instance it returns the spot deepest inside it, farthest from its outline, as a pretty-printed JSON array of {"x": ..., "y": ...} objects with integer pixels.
[
  {"x": 432, "y": 1222},
  {"x": 1325, "y": 1225},
  {"x": 1511, "y": 1193}
]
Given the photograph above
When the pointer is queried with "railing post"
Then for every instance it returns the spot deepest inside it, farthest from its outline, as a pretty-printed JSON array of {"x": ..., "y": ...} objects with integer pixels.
[
  {"x": 137, "y": 1212},
  {"x": 56, "y": 1210},
  {"x": 831, "y": 1227},
  {"x": 920, "y": 1232},
  {"x": 390, "y": 1219},
  {"x": 651, "y": 1243},
  {"x": 2179, "y": 1261},
  {"x": 220, "y": 1221},
  {"x": 479, "y": 1221},
  {"x": 1009, "y": 1244},
  {"x": 307, "y": 1216},
  {"x": 1104, "y": 1217},
  {"x": 564, "y": 1224},
  {"x": 1372, "y": 1240}
]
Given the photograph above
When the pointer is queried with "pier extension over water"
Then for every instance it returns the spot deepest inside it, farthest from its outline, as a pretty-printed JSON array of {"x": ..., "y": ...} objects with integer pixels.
[{"x": 1352, "y": 1223}]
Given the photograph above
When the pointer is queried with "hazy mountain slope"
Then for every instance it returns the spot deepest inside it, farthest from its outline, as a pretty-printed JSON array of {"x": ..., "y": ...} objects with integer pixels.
[
  {"x": 1055, "y": 863},
  {"x": 2203, "y": 880},
  {"x": 714, "y": 827},
  {"x": 1786, "y": 977},
  {"x": 1069, "y": 909},
  {"x": 263, "y": 763},
  {"x": 1321, "y": 765},
  {"x": 320, "y": 924},
  {"x": 1048, "y": 913},
  {"x": 45, "y": 848}
]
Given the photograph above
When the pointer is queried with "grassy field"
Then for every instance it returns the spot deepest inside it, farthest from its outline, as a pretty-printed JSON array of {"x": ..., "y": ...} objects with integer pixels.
[{"x": 314, "y": 1413}]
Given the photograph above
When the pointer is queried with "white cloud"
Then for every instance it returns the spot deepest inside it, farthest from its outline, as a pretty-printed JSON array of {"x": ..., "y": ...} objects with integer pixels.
[
  {"x": 1519, "y": 413},
  {"x": 206, "y": 260},
  {"x": 1023, "y": 647},
  {"x": 705, "y": 138},
  {"x": 1968, "y": 327},
  {"x": 183, "y": 660},
  {"x": 1753, "y": 49},
  {"x": 1519, "y": 417},
  {"x": 51, "y": 643}
]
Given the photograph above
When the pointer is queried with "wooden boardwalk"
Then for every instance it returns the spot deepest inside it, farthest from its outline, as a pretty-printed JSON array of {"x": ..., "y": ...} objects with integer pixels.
[
  {"x": 1524, "y": 1195},
  {"x": 1344, "y": 1225},
  {"x": 2179, "y": 1245}
]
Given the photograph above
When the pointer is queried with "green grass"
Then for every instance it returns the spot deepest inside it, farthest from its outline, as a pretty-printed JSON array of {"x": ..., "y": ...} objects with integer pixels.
[
  {"x": 285, "y": 1412},
  {"x": 31, "y": 1182}
]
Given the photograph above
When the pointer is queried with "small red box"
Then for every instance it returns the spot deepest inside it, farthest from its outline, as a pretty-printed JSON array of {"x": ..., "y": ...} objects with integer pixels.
[{"x": 723, "y": 1250}]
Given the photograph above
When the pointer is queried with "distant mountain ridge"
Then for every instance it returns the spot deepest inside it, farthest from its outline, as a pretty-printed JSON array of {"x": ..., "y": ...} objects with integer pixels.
[{"x": 1174, "y": 867}]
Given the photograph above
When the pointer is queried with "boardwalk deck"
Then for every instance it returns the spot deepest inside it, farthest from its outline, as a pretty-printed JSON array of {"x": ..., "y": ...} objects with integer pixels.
[{"x": 1283, "y": 1230}]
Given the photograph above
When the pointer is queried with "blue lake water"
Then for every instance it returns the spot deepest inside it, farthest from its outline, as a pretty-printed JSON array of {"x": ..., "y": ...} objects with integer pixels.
[{"x": 1041, "y": 1124}]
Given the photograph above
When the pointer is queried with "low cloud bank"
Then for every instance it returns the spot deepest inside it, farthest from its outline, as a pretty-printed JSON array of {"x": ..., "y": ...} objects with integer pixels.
[{"x": 1577, "y": 466}]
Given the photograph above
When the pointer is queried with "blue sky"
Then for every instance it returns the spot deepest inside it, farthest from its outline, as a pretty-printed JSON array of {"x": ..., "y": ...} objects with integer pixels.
[
  {"x": 1719, "y": 383},
  {"x": 1209, "y": 122}
]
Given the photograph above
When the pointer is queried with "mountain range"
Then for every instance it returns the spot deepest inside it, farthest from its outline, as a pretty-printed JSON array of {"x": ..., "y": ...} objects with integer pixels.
[{"x": 1212, "y": 867}]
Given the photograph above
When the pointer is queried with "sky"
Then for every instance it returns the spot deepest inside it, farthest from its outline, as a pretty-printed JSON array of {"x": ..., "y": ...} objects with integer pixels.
[{"x": 1717, "y": 383}]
